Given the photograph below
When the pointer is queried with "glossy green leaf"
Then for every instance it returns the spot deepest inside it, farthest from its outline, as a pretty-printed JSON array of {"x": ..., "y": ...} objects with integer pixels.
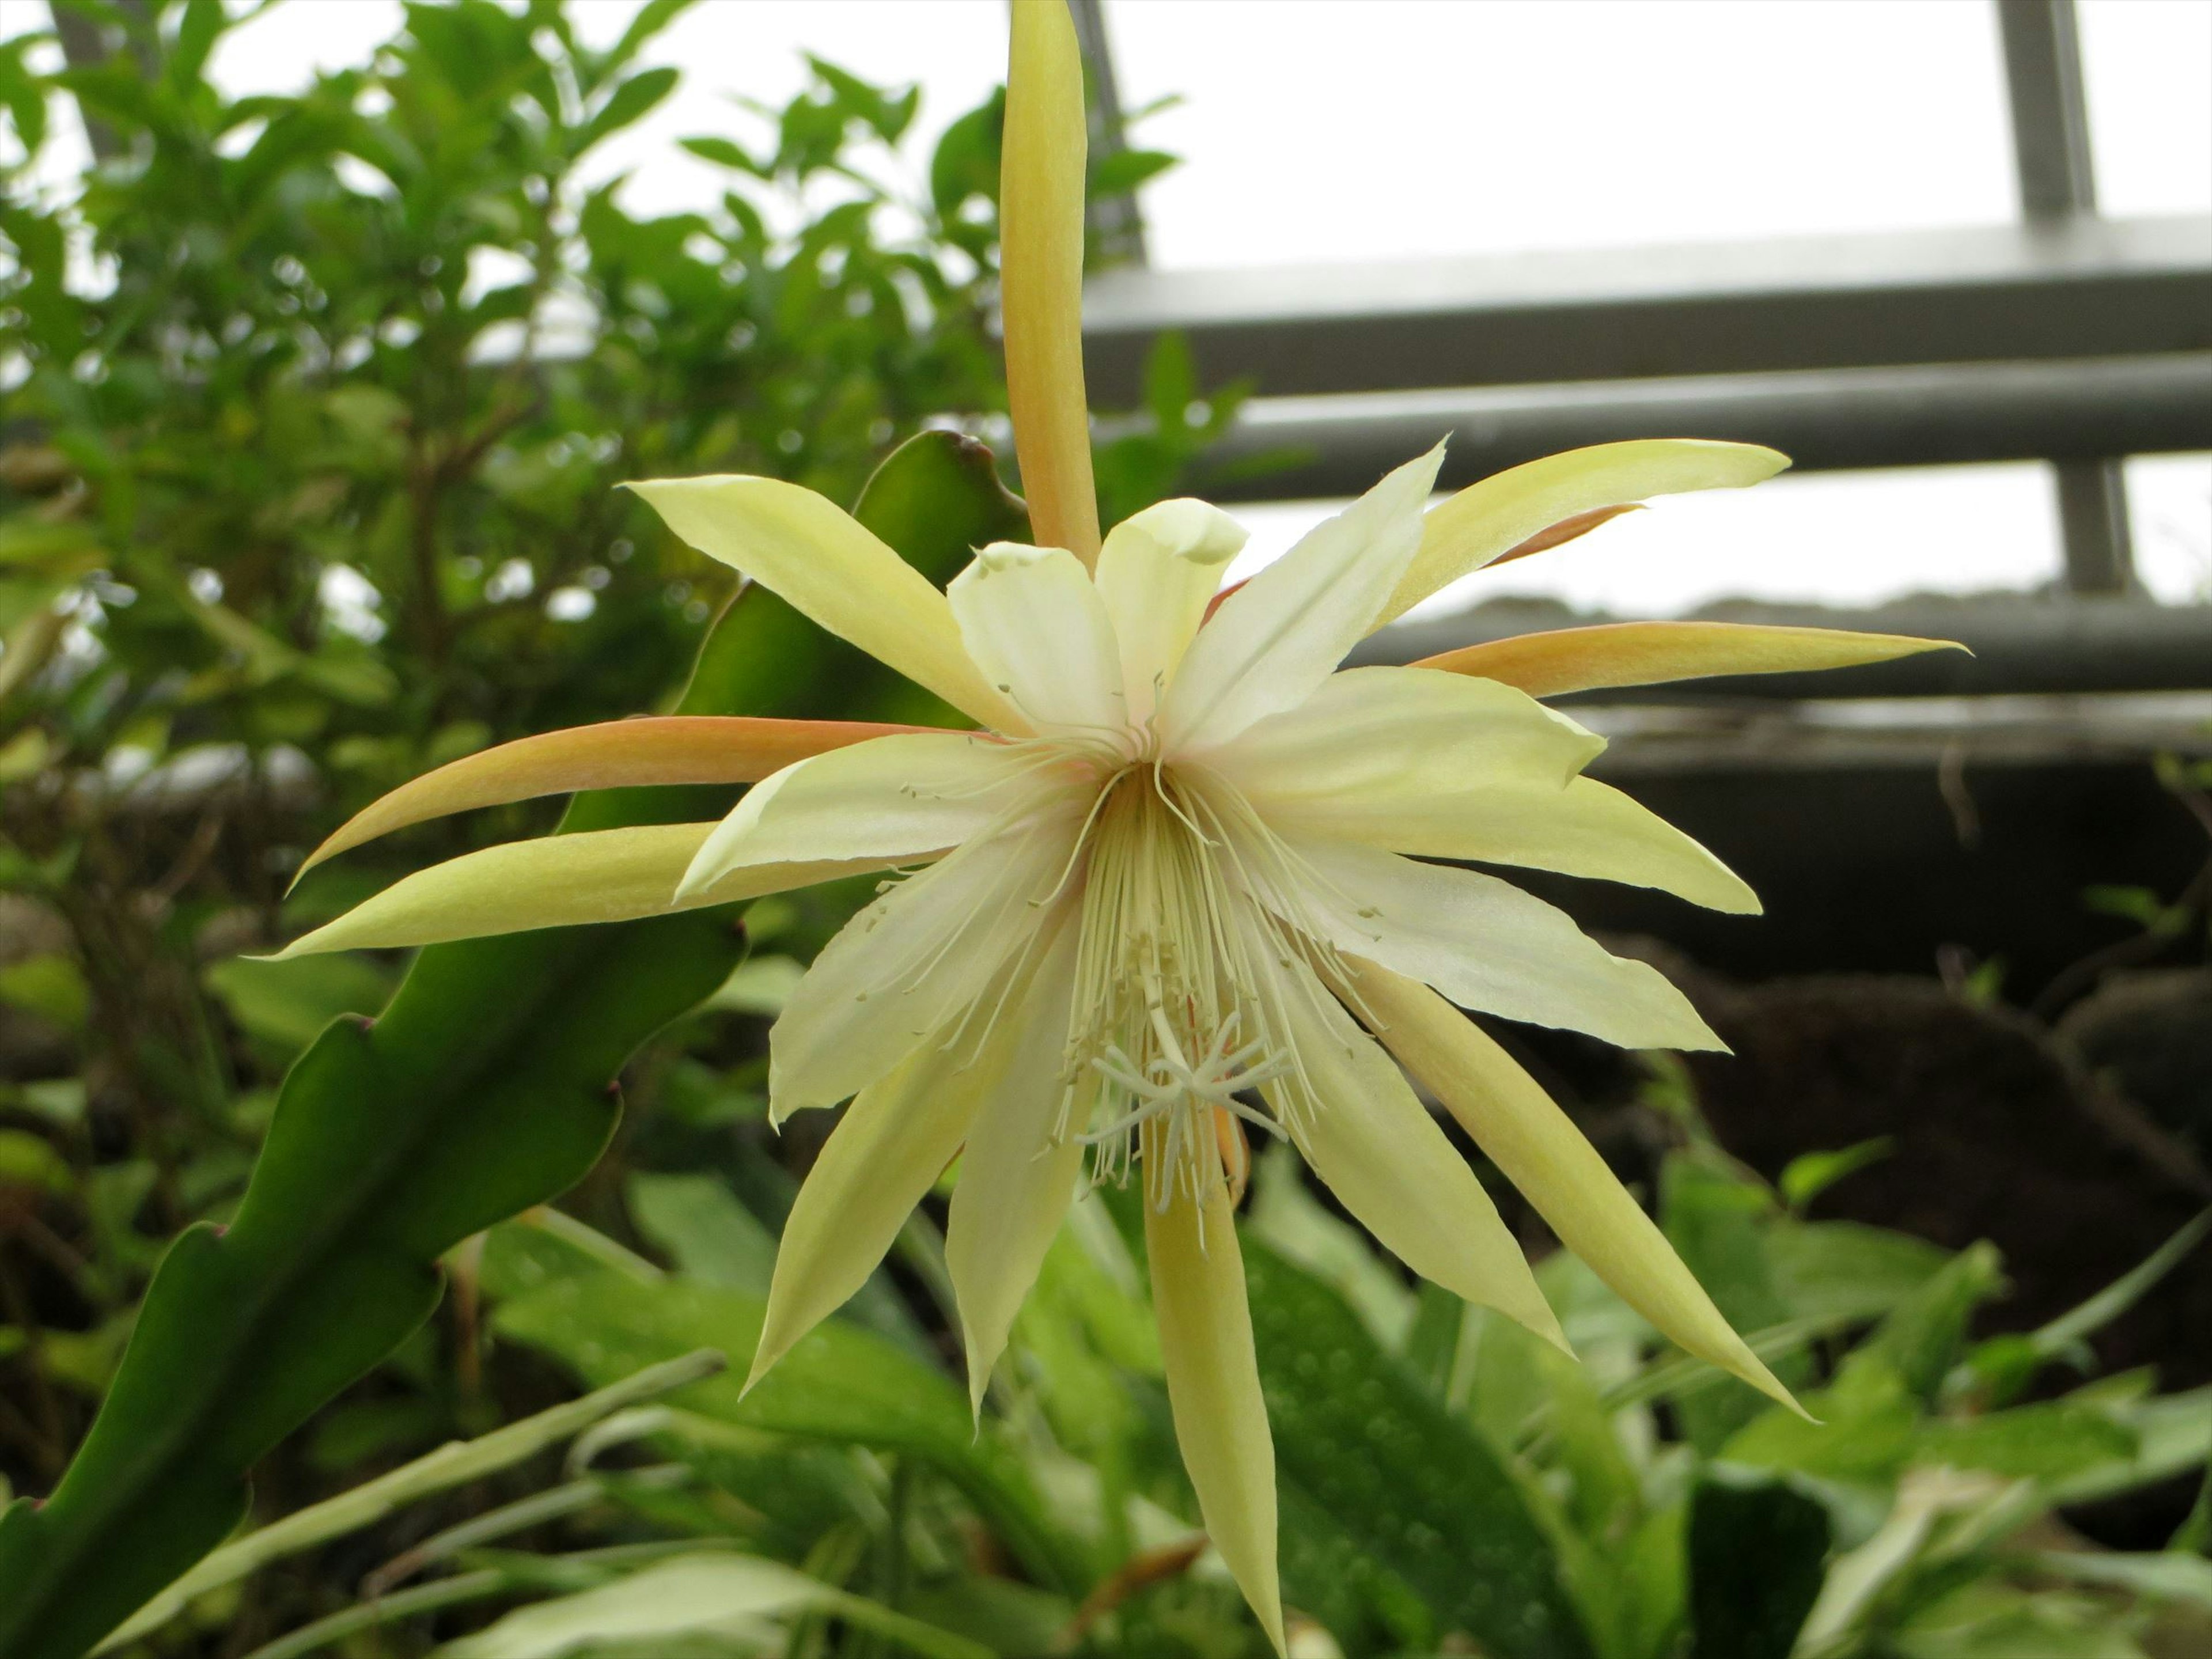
[{"x": 1359, "y": 1442}]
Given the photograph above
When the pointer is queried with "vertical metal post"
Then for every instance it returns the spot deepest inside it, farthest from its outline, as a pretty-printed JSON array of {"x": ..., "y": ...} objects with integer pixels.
[
  {"x": 2051, "y": 155},
  {"x": 1117, "y": 230}
]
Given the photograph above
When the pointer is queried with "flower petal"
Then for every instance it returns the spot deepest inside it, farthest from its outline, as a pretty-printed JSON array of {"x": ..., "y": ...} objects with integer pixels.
[
  {"x": 613, "y": 755},
  {"x": 1351, "y": 766},
  {"x": 1037, "y": 630},
  {"x": 834, "y": 570},
  {"x": 1369, "y": 737},
  {"x": 1016, "y": 1180},
  {"x": 556, "y": 881},
  {"x": 1280, "y": 635},
  {"x": 1158, "y": 572},
  {"x": 1543, "y": 1154},
  {"x": 891, "y": 800},
  {"x": 1369, "y": 1137},
  {"x": 884, "y": 1154},
  {"x": 1564, "y": 659},
  {"x": 1040, "y": 193},
  {"x": 909, "y": 963},
  {"x": 1590, "y": 829},
  {"x": 1485, "y": 943},
  {"x": 1213, "y": 1388},
  {"x": 1489, "y": 518}
]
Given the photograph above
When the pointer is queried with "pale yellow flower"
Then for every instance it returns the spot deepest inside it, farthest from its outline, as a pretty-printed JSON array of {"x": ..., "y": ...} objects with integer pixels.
[{"x": 1172, "y": 890}]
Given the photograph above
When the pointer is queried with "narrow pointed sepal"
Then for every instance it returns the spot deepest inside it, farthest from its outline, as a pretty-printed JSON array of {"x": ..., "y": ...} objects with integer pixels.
[
  {"x": 1560, "y": 661},
  {"x": 1374, "y": 1145},
  {"x": 1019, "y": 1175},
  {"x": 1213, "y": 1388},
  {"x": 894, "y": 1141},
  {"x": 1493, "y": 517},
  {"x": 1542, "y": 1152},
  {"x": 556, "y": 881},
  {"x": 613, "y": 755}
]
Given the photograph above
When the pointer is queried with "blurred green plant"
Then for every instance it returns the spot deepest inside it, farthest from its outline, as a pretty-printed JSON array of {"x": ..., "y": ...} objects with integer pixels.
[{"x": 1447, "y": 1480}]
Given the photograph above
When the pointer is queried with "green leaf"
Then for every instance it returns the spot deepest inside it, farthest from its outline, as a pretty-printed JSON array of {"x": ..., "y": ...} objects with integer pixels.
[
  {"x": 705, "y": 1594},
  {"x": 1360, "y": 1445},
  {"x": 1922, "y": 1338},
  {"x": 652, "y": 18},
  {"x": 197, "y": 30},
  {"x": 723, "y": 152},
  {"x": 1757, "y": 1551},
  {"x": 2048, "y": 1441},
  {"x": 481, "y": 1091},
  {"x": 23, "y": 98},
  {"x": 453, "y": 1465},
  {"x": 709, "y": 1235},
  {"x": 1808, "y": 1175},
  {"x": 1717, "y": 1222},
  {"x": 1846, "y": 1272},
  {"x": 1125, "y": 169},
  {"x": 288, "y": 1009},
  {"x": 2164, "y": 1576},
  {"x": 965, "y": 164},
  {"x": 2173, "y": 1435},
  {"x": 841, "y": 1384},
  {"x": 2078, "y": 1323},
  {"x": 1288, "y": 1218},
  {"x": 629, "y": 102},
  {"x": 390, "y": 1143},
  {"x": 29, "y": 1160}
]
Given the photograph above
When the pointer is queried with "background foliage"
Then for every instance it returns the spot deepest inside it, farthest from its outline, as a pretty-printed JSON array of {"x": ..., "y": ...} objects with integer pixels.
[{"x": 314, "y": 408}]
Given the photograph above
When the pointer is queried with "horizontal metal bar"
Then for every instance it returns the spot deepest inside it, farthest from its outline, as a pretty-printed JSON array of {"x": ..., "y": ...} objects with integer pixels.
[
  {"x": 1924, "y": 414},
  {"x": 2020, "y": 646},
  {"x": 1984, "y": 294},
  {"x": 1894, "y": 732}
]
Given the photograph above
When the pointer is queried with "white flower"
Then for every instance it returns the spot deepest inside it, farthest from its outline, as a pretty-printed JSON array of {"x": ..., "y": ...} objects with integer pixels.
[{"x": 1174, "y": 888}]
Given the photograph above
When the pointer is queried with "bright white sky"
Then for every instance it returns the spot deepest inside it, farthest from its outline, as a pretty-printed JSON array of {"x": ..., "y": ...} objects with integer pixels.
[{"x": 1320, "y": 131}]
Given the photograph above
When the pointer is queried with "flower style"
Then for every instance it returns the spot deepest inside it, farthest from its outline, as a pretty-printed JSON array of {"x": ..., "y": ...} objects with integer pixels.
[{"x": 1172, "y": 890}]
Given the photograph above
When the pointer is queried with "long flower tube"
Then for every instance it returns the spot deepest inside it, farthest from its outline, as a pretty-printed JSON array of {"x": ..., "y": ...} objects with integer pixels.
[{"x": 1173, "y": 891}]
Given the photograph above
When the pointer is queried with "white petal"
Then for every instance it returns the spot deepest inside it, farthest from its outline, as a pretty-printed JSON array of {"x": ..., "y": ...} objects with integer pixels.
[
  {"x": 1369, "y": 738},
  {"x": 1280, "y": 635},
  {"x": 1037, "y": 630},
  {"x": 1214, "y": 1389},
  {"x": 1015, "y": 1179},
  {"x": 1493, "y": 517},
  {"x": 1157, "y": 573},
  {"x": 833, "y": 569},
  {"x": 888, "y": 799},
  {"x": 1485, "y": 945},
  {"x": 1587, "y": 828},
  {"x": 909, "y": 963},
  {"x": 1542, "y": 1153},
  {"x": 556, "y": 881},
  {"x": 1366, "y": 1134},
  {"x": 884, "y": 1154}
]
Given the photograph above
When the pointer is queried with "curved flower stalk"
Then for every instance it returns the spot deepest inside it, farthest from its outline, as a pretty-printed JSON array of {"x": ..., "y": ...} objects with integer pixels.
[{"x": 1169, "y": 893}]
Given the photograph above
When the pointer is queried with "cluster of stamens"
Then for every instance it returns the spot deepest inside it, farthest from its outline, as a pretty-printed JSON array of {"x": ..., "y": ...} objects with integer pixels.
[{"x": 1167, "y": 1036}]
